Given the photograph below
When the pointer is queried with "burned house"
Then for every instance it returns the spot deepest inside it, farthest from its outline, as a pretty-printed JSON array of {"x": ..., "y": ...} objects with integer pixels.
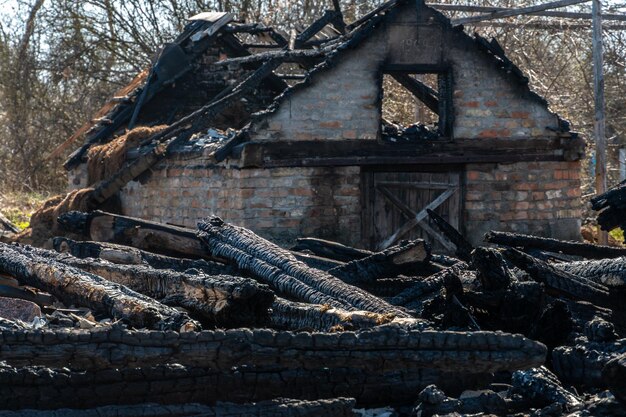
[{"x": 286, "y": 135}]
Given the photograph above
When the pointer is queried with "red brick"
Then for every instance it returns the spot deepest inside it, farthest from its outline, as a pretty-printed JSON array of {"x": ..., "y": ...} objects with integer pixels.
[
  {"x": 335, "y": 124},
  {"x": 471, "y": 104},
  {"x": 349, "y": 134},
  {"x": 491, "y": 103},
  {"x": 473, "y": 175},
  {"x": 574, "y": 192},
  {"x": 520, "y": 114}
]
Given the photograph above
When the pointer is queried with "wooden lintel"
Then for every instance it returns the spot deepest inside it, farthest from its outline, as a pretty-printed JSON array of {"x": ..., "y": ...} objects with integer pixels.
[{"x": 372, "y": 152}]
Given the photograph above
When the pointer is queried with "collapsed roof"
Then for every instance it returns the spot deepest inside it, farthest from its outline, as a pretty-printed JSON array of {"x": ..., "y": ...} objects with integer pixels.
[{"x": 261, "y": 66}]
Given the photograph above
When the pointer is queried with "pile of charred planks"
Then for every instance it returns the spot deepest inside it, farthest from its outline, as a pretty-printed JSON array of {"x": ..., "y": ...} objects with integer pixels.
[{"x": 143, "y": 318}]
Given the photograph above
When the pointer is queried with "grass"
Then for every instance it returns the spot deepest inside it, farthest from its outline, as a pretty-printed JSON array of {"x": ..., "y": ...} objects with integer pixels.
[
  {"x": 617, "y": 234},
  {"x": 19, "y": 206}
]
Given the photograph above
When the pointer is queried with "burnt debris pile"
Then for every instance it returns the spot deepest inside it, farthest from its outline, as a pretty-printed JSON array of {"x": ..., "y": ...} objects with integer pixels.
[{"x": 137, "y": 315}]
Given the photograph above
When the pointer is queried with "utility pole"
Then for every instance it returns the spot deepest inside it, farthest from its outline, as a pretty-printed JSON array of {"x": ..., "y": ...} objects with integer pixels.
[{"x": 599, "y": 121}]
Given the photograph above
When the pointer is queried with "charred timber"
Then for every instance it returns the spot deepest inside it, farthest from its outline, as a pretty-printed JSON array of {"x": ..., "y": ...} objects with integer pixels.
[
  {"x": 404, "y": 258},
  {"x": 560, "y": 282},
  {"x": 280, "y": 269},
  {"x": 582, "y": 363},
  {"x": 73, "y": 286},
  {"x": 128, "y": 255},
  {"x": 291, "y": 315},
  {"x": 331, "y": 250},
  {"x": 610, "y": 272},
  {"x": 553, "y": 245},
  {"x": 223, "y": 300},
  {"x": 463, "y": 247},
  {"x": 144, "y": 234},
  {"x": 176, "y": 384},
  {"x": 427, "y": 285},
  {"x": 377, "y": 350},
  {"x": 493, "y": 272},
  {"x": 614, "y": 374},
  {"x": 333, "y": 407}
]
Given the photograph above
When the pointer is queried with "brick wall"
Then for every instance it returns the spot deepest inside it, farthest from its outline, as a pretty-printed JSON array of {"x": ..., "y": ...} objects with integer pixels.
[
  {"x": 343, "y": 102},
  {"x": 539, "y": 198},
  {"x": 280, "y": 203}
]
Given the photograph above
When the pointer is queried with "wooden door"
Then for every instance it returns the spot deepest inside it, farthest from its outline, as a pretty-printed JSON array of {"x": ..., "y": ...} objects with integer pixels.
[{"x": 395, "y": 206}]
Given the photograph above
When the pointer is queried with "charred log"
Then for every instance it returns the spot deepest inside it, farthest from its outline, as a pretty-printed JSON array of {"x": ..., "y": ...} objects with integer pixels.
[
  {"x": 463, "y": 247},
  {"x": 280, "y": 269},
  {"x": 427, "y": 285},
  {"x": 560, "y": 282},
  {"x": 331, "y": 250},
  {"x": 131, "y": 231},
  {"x": 582, "y": 363},
  {"x": 401, "y": 259},
  {"x": 553, "y": 245},
  {"x": 73, "y": 286},
  {"x": 610, "y": 272},
  {"x": 543, "y": 388},
  {"x": 317, "y": 262},
  {"x": 291, "y": 315},
  {"x": 614, "y": 374},
  {"x": 335, "y": 407},
  {"x": 222, "y": 300},
  {"x": 493, "y": 272},
  {"x": 120, "y": 254},
  {"x": 176, "y": 384},
  {"x": 378, "y": 350}
]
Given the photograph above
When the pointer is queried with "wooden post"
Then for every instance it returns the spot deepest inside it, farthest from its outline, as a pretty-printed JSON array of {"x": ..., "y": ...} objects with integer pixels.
[{"x": 599, "y": 122}]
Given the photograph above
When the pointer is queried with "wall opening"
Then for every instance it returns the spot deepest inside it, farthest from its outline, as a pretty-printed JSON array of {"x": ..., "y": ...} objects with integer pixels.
[{"x": 416, "y": 105}]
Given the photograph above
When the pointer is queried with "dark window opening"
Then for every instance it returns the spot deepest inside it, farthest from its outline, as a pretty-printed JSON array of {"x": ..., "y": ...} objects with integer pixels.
[{"x": 416, "y": 105}]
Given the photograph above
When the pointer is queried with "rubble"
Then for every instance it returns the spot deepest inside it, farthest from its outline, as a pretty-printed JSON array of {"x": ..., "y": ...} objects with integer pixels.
[{"x": 299, "y": 332}]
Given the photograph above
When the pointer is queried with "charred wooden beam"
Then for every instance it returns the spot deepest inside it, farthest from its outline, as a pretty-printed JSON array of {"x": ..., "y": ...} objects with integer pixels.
[
  {"x": 73, "y": 286},
  {"x": 290, "y": 153},
  {"x": 421, "y": 91},
  {"x": 282, "y": 56},
  {"x": 291, "y": 315},
  {"x": 334, "y": 407},
  {"x": 328, "y": 17},
  {"x": 560, "y": 282},
  {"x": 614, "y": 374},
  {"x": 610, "y": 272},
  {"x": 280, "y": 269},
  {"x": 553, "y": 245},
  {"x": 174, "y": 384},
  {"x": 223, "y": 300},
  {"x": 543, "y": 388},
  {"x": 317, "y": 262},
  {"x": 144, "y": 234},
  {"x": 427, "y": 285},
  {"x": 582, "y": 363},
  {"x": 400, "y": 259},
  {"x": 493, "y": 272},
  {"x": 463, "y": 247},
  {"x": 378, "y": 350},
  {"x": 331, "y": 250},
  {"x": 120, "y": 254}
]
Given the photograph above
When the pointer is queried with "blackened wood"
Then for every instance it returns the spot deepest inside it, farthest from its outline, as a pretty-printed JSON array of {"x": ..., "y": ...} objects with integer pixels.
[
  {"x": 405, "y": 258},
  {"x": 493, "y": 272},
  {"x": 131, "y": 231},
  {"x": 41, "y": 299},
  {"x": 73, "y": 286},
  {"x": 291, "y": 315},
  {"x": 371, "y": 152},
  {"x": 614, "y": 374},
  {"x": 317, "y": 262},
  {"x": 463, "y": 247},
  {"x": 585, "y": 250},
  {"x": 610, "y": 272},
  {"x": 121, "y": 254},
  {"x": 543, "y": 388},
  {"x": 175, "y": 384},
  {"x": 615, "y": 197},
  {"x": 421, "y": 91},
  {"x": 377, "y": 350},
  {"x": 331, "y": 250},
  {"x": 559, "y": 282},
  {"x": 582, "y": 363},
  {"x": 427, "y": 285},
  {"x": 334, "y": 407},
  {"x": 279, "y": 268},
  {"x": 222, "y": 300},
  {"x": 315, "y": 27}
]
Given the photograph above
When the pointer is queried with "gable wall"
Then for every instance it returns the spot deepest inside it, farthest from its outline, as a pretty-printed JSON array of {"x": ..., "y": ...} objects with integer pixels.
[{"x": 344, "y": 102}]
